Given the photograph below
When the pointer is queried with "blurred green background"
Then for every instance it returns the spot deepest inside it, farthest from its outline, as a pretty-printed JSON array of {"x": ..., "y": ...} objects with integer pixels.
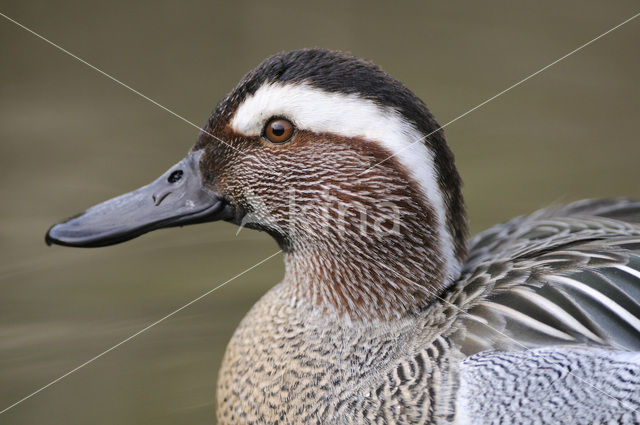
[{"x": 69, "y": 138}]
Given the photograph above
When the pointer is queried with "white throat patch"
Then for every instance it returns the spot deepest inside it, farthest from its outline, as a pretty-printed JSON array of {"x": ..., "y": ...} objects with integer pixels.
[{"x": 350, "y": 115}]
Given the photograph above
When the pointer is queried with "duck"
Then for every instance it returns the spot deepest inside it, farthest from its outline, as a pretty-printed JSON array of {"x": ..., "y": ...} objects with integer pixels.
[{"x": 388, "y": 313}]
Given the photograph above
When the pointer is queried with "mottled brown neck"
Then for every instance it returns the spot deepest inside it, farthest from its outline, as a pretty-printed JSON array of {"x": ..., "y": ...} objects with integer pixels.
[{"x": 375, "y": 275}]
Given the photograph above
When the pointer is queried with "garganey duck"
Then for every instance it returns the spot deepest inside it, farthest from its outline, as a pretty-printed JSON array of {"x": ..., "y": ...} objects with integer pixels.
[{"x": 386, "y": 313}]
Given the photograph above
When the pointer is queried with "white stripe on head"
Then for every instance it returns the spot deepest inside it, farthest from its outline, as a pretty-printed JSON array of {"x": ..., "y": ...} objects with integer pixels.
[{"x": 351, "y": 115}]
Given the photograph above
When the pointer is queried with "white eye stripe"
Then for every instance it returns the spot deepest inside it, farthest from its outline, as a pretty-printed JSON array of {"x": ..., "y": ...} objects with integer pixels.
[{"x": 350, "y": 115}]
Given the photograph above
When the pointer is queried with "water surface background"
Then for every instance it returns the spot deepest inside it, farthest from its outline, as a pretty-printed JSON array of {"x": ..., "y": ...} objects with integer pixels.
[{"x": 69, "y": 137}]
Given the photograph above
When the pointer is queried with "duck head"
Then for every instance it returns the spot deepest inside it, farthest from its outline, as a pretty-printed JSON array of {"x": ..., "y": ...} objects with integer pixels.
[{"x": 341, "y": 163}]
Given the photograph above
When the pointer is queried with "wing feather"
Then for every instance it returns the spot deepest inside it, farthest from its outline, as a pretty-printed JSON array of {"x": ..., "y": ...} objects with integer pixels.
[{"x": 564, "y": 275}]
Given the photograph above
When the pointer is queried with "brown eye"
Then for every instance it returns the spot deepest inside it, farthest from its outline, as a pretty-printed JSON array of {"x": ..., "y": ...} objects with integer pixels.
[{"x": 278, "y": 130}]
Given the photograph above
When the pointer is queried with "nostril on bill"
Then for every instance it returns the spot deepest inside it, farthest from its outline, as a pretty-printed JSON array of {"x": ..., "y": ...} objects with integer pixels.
[{"x": 175, "y": 176}]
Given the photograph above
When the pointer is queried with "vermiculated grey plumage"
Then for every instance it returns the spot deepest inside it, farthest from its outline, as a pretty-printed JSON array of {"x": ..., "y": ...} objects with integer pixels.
[{"x": 558, "y": 385}]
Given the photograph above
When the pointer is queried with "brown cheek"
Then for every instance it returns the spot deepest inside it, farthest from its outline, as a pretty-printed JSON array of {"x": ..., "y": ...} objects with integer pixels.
[
  {"x": 308, "y": 162},
  {"x": 311, "y": 162}
]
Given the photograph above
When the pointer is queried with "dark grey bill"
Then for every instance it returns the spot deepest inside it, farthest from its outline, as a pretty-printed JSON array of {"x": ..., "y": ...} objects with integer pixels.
[{"x": 177, "y": 198}]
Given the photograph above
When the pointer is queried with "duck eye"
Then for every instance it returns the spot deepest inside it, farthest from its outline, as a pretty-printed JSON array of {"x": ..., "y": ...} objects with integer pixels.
[{"x": 278, "y": 130}]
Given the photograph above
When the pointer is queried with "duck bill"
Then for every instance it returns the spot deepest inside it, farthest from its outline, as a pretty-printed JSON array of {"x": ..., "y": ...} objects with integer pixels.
[{"x": 176, "y": 198}]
